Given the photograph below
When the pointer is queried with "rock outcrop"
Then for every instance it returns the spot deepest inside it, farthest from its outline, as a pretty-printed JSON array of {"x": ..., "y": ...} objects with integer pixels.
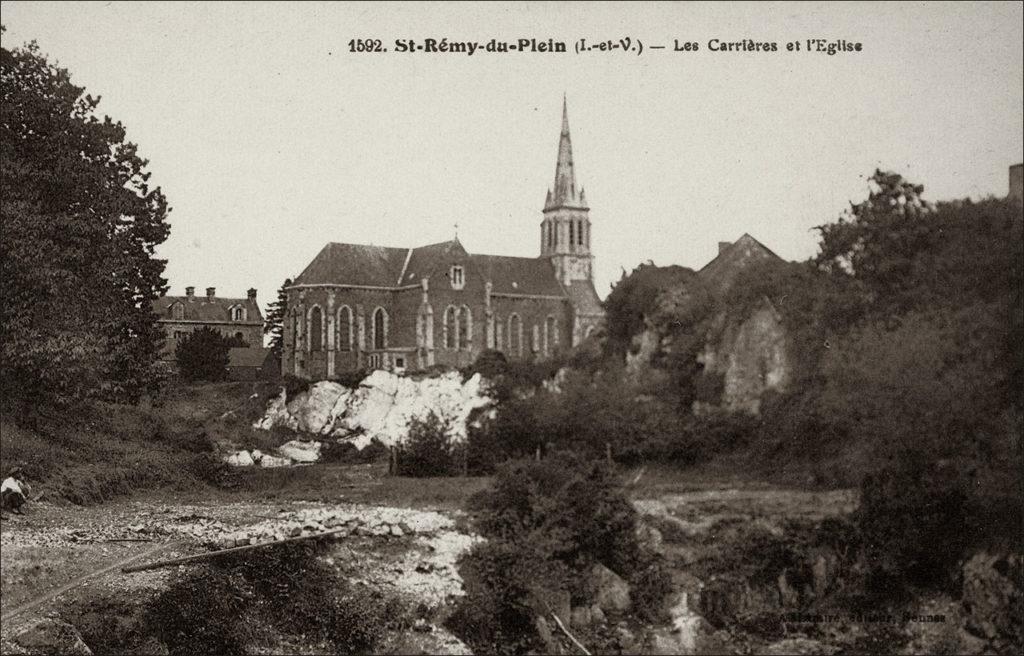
[{"x": 380, "y": 408}]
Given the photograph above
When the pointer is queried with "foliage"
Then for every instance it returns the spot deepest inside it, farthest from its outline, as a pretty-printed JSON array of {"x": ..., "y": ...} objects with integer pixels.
[
  {"x": 79, "y": 226},
  {"x": 428, "y": 450},
  {"x": 274, "y": 322},
  {"x": 203, "y": 355},
  {"x": 635, "y": 298},
  {"x": 547, "y": 522},
  {"x": 346, "y": 452}
]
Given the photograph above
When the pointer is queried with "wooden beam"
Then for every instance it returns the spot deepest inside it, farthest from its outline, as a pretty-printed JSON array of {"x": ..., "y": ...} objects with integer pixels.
[{"x": 220, "y": 552}]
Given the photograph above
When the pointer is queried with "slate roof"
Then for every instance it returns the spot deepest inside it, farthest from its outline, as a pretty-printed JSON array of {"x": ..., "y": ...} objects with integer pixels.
[
  {"x": 584, "y": 298},
  {"x": 199, "y": 308},
  {"x": 253, "y": 356},
  {"x": 354, "y": 264},
  {"x": 724, "y": 268},
  {"x": 518, "y": 275},
  {"x": 383, "y": 266}
]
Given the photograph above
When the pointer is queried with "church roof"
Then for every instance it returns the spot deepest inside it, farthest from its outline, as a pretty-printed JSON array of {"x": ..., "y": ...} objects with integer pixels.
[
  {"x": 354, "y": 264},
  {"x": 432, "y": 259},
  {"x": 200, "y": 308},
  {"x": 584, "y": 298},
  {"x": 518, "y": 275}
]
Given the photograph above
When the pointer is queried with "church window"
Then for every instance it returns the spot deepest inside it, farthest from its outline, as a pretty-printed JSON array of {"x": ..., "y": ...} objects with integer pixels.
[
  {"x": 550, "y": 335},
  {"x": 344, "y": 338},
  {"x": 465, "y": 328},
  {"x": 178, "y": 311},
  {"x": 535, "y": 338},
  {"x": 579, "y": 234},
  {"x": 380, "y": 329},
  {"x": 316, "y": 329},
  {"x": 451, "y": 328},
  {"x": 515, "y": 335},
  {"x": 458, "y": 277},
  {"x": 572, "y": 232},
  {"x": 295, "y": 330}
]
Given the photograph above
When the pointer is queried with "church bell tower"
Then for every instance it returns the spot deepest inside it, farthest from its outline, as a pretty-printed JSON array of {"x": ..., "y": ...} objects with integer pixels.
[{"x": 565, "y": 230}]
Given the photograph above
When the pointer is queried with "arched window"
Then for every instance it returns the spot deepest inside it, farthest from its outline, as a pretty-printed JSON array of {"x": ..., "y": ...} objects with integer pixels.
[
  {"x": 316, "y": 329},
  {"x": 344, "y": 338},
  {"x": 535, "y": 338},
  {"x": 238, "y": 313},
  {"x": 465, "y": 328},
  {"x": 451, "y": 328},
  {"x": 295, "y": 330},
  {"x": 380, "y": 329},
  {"x": 572, "y": 232},
  {"x": 550, "y": 335},
  {"x": 515, "y": 335},
  {"x": 178, "y": 311}
]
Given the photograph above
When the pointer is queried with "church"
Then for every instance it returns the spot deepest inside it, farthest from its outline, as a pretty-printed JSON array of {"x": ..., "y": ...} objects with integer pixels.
[{"x": 377, "y": 307}]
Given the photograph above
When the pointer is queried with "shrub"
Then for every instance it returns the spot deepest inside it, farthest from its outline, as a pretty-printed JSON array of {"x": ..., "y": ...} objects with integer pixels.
[
  {"x": 203, "y": 355},
  {"x": 351, "y": 379},
  {"x": 427, "y": 450},
  {"x": 547, "y": 523},
  {"x": 345, "y": 452},
  {"x": 913, "y": 519}
]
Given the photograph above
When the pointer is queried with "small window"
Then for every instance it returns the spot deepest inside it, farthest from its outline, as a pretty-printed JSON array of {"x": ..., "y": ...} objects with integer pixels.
[
  {"x": 400, "y": 363},
  {"x": 178, "y": 311},
  {"x": 458, "y": 277},
  {"x": 238, "y": 314},
  {"x": 179, "y": 334},
  {"x": 375, "y": 361}
]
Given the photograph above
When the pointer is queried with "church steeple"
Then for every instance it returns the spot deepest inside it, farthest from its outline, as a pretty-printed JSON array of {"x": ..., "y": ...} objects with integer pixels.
[
  {"x": 563, "y": 193},
  {"x": 565, "y": 230}
]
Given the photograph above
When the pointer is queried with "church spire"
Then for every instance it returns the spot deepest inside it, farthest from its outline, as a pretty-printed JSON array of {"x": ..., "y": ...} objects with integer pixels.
[{"x": 564, "y": 193}]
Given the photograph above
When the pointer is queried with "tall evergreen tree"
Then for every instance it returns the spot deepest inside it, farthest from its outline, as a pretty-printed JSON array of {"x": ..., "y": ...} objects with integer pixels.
[
  {"x": 80, "y": 223},
  {"x": 274, "y": 324}
]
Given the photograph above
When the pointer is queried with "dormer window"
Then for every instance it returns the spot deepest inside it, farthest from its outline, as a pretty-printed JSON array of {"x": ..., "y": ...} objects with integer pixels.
[
  {"x": 458, "y": 277},
  {"x": 238, "y": 313},
  {"x": 178, "y": 311}
]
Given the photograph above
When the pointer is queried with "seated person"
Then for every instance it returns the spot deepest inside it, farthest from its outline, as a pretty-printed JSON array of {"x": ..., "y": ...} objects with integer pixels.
[{"x": 14, "y": 491}]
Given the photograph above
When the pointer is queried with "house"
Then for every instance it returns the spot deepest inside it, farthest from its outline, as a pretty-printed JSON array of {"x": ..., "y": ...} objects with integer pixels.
[
  {"x": 238, "y": 318},
  {"x": 359, "y": 306}
]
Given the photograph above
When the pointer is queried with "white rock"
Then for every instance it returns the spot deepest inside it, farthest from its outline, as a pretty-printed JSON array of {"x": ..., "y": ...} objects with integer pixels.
[
  {"x": 299, "y": 451},
  {"x": 240, "y": 459}
]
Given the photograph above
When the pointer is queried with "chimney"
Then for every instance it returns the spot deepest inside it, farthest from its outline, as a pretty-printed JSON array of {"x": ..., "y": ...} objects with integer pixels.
[
  {"x": 190, "y": 292},
  {"x": 210, "y": 293},
  {"x": 723, "y": 245}
]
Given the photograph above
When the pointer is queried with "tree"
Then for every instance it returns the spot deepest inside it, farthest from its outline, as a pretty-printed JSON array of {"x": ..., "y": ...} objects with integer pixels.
[
  {"x": 276, "y": 312},
  {"x": 203, "y": 355},
  {"x": 79, "y": 227}
]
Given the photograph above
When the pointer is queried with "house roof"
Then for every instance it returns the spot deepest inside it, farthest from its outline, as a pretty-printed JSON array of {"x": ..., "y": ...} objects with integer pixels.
[
  {"x": 518, "y": 275},
  {"x": 731, "y": 259},
  {"x": 253, "y": 356},
  {"x": 201, "y": 308}
]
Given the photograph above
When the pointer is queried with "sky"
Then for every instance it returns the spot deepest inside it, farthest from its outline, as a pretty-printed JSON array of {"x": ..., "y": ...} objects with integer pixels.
[{"x": 270, "y": 138}]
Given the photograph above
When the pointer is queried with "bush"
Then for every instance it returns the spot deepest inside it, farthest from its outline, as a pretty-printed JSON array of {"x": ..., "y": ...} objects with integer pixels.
[
  {"x": 547, "y": 522},
  {"x": 203, "y": 355},
  {"x": 427, "y": 450},
  {"x": 913, "y": 519}
]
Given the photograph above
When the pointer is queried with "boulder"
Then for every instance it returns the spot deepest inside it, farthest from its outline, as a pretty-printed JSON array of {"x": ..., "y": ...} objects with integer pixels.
[
  {"x": 274, "y": 461},
  {"x": 240, "y": 459},
  {"x": 299, "y": 451},
  {"x": 581, "y": 617},
  {"x": 992, "y": 597},
  {"x": 611, "y": 592},
  {"x": 52, "y": 636}
]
